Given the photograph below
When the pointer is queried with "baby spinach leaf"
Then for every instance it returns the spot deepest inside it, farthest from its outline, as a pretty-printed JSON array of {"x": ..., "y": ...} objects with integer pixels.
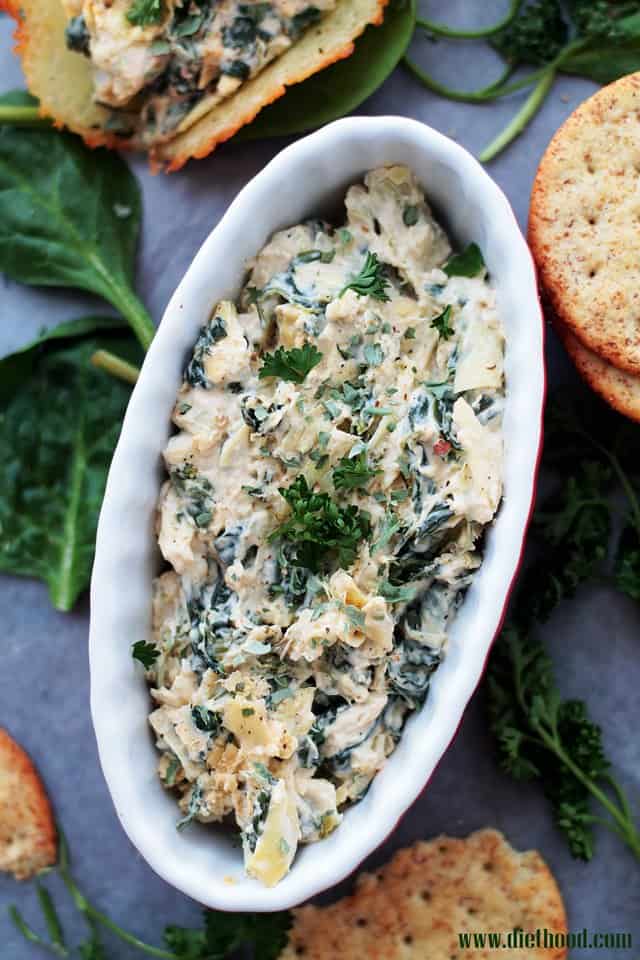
[
  {"x": 339, "y": 89},
  {"x": 604, "y": 63},
  {"x": 59, "y": 424},
  {"x": 18, "y": 366},
  {"x": 70, "y": 217}
]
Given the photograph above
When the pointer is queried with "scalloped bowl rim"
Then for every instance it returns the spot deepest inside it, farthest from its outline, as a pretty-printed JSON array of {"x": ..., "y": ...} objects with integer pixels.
[{"x": 202, "y": 861}]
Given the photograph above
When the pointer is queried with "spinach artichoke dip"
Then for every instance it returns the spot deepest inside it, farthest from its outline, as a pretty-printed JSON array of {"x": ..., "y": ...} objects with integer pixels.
[
  {"x": 160, "y": 65},
  {"x": 338, "y": 457}
]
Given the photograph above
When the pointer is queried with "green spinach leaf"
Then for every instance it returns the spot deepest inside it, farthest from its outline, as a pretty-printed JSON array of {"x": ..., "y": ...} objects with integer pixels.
[
  {"x": 17, "y": 367},
  {"x": 342, "y": 87},
  {"x": 60, "y": 419},
  {"x": 604, "y": 63},
  {"x": 70, "y": 217}
]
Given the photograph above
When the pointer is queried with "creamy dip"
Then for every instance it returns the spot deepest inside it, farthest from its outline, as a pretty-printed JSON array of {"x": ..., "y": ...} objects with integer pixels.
[
  {"x": 338, "y": 456},
  {"x": 162, "y": 64}
]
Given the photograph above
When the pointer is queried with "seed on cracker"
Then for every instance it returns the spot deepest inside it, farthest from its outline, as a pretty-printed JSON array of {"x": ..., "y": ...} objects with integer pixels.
[
  {"x": 27, "y": 830},
  {"x": 584, "y": 220},
  {"x": 416, "y": 906}
]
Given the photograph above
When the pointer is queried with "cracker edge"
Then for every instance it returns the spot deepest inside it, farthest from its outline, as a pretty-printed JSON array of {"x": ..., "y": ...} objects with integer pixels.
[
  {"x": 618, "y": 388},
  {"x": 609, "y": 351},
  {"x": 407, "y": 860},
  {"x": 13, "y": 756}
]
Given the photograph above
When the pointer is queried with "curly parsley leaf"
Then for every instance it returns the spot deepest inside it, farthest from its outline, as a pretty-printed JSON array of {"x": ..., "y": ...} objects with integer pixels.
[
  {"x": 353, "y": 473},
  {"x": 627, "y": 563},
  {"x": 145, "y": 653},
  {"x": 541, "y": 737},
  {"x": 572, "y": 528},
  {"x": 318, "y": 526},
  {"x": 292, "y": 365},
  {"x": 441, "y": 323},
  {"x": 468, "y": 263},
  {"x": 536, "y": 36},
  {"x": 371, "y": 281},
  {"x": 144, "y": 13}
]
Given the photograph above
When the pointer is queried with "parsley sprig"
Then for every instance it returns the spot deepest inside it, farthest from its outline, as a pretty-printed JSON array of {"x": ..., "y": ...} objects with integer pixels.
[
  {"x": 145, "y": 653},
  {"x": 353, "y": 473},
  {"x": 542, "y": 737},
  {"x": 220, "y": 935},
  {"x": 292, "y": 365},
  {"x": 371, "y": 281},
  {"x": 318, "y": 527},
  {"x": 442, "y": 325}
]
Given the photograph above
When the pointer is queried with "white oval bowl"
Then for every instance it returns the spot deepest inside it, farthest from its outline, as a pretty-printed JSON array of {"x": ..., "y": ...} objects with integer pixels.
[{"x": 306, "y": 179}]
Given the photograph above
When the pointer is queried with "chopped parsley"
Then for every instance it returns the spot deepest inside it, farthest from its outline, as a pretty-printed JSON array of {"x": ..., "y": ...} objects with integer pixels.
[
  {"x": 353, "y": 473},
  {"x": 145, "y": 653},
  {"x": 317, "y": 526},
  {"x": 371, "y": 281},
  {"x": 292, "y": 365},
  {"x": 441, "y": 323},
  {"x": 469, "y": 263},
  {"x": 373, "y": 354}
]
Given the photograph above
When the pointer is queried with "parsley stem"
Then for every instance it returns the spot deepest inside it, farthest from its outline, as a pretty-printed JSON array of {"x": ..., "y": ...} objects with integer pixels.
[
  {"x": 523, "y": 117},
  {"x": 22, "y": 116},
  {"x": 94, "y": 916},
  {"x": 619, "y": 471},
  {"x": 623, "y": 824},
  {"x": 624, "y": 483},
  {"x": 18, "y": 921},
  {"x": 116, "y": 366},
  {"x": 442, "y": 30}
]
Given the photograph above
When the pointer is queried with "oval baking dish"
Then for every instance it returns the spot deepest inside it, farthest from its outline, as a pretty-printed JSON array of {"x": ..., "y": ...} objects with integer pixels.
[{"x": 204, "y": 862}]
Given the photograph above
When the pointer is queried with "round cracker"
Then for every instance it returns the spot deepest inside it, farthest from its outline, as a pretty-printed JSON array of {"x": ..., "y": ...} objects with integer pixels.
[
  {"x": 62, "y": 80},
  {"x": 27, "y": 830},
  {"x": 621, "y": 390},
  {"x": 417, "y": 904},
  {"x": 584, "y": 223}
]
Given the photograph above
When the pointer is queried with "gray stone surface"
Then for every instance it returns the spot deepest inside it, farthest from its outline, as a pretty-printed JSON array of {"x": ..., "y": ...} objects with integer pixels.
[{"x": 43, "y": 666}]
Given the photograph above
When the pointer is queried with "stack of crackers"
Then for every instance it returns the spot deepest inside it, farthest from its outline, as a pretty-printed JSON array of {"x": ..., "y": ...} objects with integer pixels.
[{"x": 584, "y": 232}]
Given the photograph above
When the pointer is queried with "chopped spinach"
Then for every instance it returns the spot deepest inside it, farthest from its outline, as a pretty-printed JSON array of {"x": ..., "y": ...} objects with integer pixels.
[
  {"x": 206, "y": 720},
  {"x": 77, "y": 36},
  {"x": 211, "y": 333}
]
